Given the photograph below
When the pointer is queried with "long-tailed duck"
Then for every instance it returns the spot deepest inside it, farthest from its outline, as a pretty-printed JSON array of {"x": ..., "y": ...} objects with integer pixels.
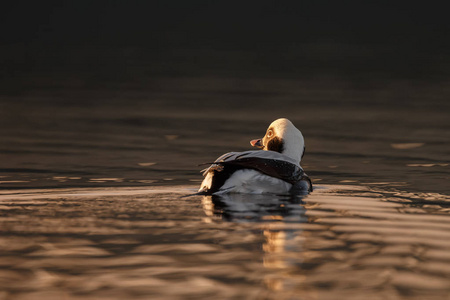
[{"x": 275, "y": 170}]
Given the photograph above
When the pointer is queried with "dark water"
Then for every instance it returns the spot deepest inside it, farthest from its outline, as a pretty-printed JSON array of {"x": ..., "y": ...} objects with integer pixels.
[
  {"x": 91, "y": 181},
  {"x": 158, "y": 131}
]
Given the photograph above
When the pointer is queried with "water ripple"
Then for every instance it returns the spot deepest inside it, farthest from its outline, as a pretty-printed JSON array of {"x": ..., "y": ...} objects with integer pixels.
[{"x": 340, "y": 242}]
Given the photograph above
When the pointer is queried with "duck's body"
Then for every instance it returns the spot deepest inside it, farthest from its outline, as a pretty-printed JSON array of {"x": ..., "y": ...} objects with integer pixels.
[{"x": 276, "y": 170}]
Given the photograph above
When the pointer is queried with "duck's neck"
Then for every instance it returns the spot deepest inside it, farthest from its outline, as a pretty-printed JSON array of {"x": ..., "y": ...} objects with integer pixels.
[{"x": 293, "y": 152}]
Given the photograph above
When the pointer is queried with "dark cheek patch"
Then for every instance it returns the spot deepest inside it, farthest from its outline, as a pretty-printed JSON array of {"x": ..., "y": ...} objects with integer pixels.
[{"x": 276, "y": 144}]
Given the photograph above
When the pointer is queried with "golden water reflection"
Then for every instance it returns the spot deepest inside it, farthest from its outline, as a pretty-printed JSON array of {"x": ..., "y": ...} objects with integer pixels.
[
  {"x": 345, "y": 242},
  {"x": 341, "y": 242}
]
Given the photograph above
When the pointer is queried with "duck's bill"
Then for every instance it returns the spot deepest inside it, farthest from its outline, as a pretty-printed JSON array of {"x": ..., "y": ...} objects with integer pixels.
[{"x": 257, "y": 143}]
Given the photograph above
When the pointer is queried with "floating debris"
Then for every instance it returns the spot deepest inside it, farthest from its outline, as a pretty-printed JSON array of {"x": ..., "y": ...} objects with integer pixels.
[
  {"x": 14, "y": 181},
  {"x": 106, "y": 179},
  {"x": 146, "y": 164},
  {"x": 427, "y": 165},
  {"x": 407, "y": 145},
  {"x": 145, "y": 181}
]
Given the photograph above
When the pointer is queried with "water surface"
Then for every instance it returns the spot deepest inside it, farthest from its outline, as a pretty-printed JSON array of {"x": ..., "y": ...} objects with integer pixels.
[
  {"x": 157, "y": 131},
  {"x": 340, "y": 242},
  {"x": 92, "y": 179}
]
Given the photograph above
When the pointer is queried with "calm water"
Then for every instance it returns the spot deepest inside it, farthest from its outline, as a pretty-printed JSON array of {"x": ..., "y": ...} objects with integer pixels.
[{"x": 92, "y": 179}]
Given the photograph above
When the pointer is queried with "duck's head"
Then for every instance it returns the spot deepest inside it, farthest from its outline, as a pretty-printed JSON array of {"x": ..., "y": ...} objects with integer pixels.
[{"x": 283, "y": 137}]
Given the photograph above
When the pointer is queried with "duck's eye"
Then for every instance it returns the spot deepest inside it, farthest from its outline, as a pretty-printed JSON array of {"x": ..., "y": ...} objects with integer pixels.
[{"x": 269, "y": 133}]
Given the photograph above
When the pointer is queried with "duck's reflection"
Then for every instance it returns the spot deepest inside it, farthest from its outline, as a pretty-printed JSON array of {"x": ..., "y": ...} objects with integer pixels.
[
  {"x": 255, "y": 208},
  {"x": 278, "y": 218}
]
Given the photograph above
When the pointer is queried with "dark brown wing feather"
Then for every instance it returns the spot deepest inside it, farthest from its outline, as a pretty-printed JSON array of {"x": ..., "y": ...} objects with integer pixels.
[
  {"x": 275, "y": 168},
  {"x": 280, "y": 169}
]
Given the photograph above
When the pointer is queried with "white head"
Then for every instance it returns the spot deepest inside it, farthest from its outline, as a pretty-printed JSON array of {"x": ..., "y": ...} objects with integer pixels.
[{"x": 282, "y": 136}]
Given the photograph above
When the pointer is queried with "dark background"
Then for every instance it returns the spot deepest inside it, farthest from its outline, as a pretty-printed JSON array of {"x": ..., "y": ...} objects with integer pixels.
[
  {"x": 141, "y": 92},
  {"x": 97, "y": 43},
  {"x": 100, "y": 94}
]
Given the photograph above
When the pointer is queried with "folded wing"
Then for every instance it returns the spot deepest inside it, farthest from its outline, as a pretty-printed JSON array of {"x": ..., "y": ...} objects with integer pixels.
[{"x": 270, "y": 163}]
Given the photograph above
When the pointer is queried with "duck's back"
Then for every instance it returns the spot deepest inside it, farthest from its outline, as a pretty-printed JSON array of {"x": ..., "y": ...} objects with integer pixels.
[{"x": 254, "y": 172}]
